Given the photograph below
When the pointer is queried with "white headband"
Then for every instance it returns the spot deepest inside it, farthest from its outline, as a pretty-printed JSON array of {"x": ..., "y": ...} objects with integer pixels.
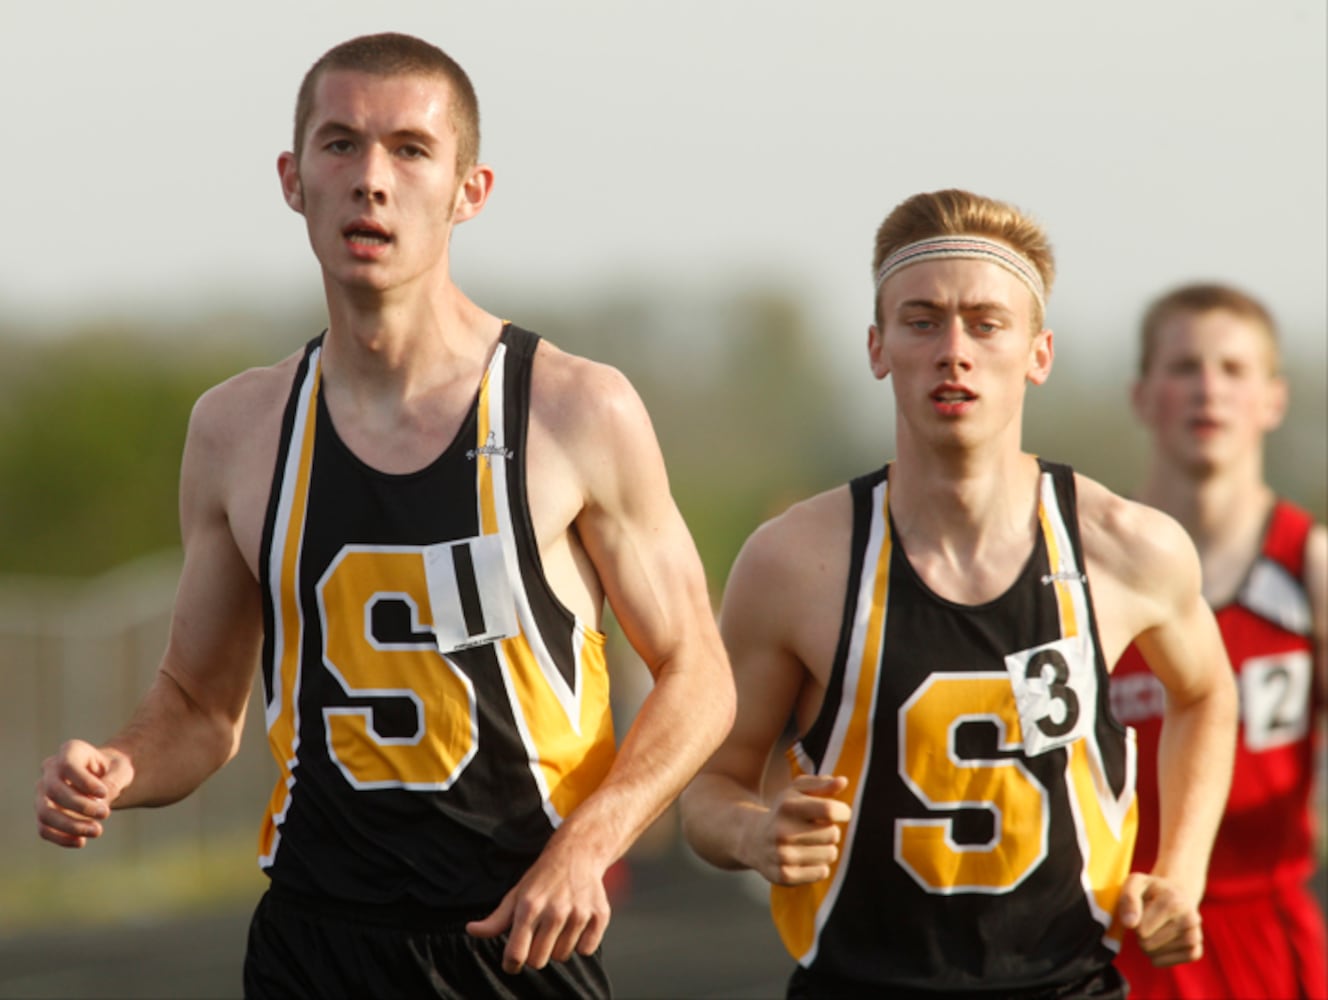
[{"x": 971, "y": 247}]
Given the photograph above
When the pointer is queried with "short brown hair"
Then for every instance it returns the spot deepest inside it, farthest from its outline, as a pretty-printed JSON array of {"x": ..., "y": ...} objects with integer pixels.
[
  {"x": 392, "y": 54},
  {"x": 961, "y": 213},
  {"x": 1203, "y": 297}
]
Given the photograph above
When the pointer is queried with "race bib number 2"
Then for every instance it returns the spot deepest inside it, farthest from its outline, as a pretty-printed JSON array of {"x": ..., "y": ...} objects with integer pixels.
[{"x": 1275, "y": 699}]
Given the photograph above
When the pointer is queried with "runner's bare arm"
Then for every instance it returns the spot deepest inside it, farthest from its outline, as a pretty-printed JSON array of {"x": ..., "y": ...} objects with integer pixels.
[
  {"x": 1151, "y": 581},
  {"x": 1316, "y": 581},
  {"x": 188, "y": 723},
  {"x": 1316, "y": 584},
  {"x": 1184, "y": 650},
  {"x": 651, "y": 575},
  {"x": 793, "y": 838}
]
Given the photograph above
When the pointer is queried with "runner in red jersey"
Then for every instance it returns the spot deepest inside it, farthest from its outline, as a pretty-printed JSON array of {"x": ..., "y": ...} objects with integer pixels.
[{"x": 1209, "y": 392}]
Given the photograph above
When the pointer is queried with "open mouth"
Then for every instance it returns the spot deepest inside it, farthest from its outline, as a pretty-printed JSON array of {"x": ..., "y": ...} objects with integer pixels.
[
  {"x": 364, "y": 238},
  {"x": 953, "y": 396},
  {"x": 366, "y": 235}
]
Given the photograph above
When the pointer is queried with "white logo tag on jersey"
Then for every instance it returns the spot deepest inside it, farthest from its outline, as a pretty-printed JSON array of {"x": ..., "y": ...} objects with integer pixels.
[
  {"x": 470, "y": 592},
  {"x": 1275, "y": 699},
  {"x": 1055, "y": 692}
]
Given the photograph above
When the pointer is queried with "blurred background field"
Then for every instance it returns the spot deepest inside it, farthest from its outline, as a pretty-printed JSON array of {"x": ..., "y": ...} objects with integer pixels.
[{"x": 686, "y": 190}]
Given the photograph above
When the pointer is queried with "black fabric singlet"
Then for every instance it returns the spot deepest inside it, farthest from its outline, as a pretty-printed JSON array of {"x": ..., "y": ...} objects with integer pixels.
[
  {"x": 434, "y": 710},
  {"x": 992, "y": 791}
]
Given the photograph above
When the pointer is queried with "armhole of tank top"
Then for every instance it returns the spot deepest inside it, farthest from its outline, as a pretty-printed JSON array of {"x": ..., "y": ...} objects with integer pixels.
[
  {"x": 523, "y": 345},
  {"x": 1063, "y": 477},
  {"x": 1298, "y": 524},
  {"x": 276, "y": 482},
  {"x": 817, "y": 737},
  {"x": 1283, "y": 517},
  {"x": 279, "y": 465}
]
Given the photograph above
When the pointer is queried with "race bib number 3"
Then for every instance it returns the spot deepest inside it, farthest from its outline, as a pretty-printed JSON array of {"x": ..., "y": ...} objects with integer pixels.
[
  {"x": 470, "y": 592},
  {"x": 1055, "y": 692}
]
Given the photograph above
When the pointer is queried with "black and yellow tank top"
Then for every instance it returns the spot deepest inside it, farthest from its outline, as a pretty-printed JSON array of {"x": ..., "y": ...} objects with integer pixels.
[
  {"x": 992, "y": 791},
  {"x": 434, "y": 710}
]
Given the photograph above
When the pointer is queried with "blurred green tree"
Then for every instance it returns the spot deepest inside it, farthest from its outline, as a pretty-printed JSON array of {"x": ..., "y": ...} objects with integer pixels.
[{"x": 91, "y": 433}]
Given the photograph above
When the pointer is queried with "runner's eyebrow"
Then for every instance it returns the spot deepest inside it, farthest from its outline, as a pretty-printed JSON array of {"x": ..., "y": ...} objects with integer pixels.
[
  {"x": 332, "y": 128},
  {"x": 988, "y": 307},
  {"x": 336, "y": 128}
]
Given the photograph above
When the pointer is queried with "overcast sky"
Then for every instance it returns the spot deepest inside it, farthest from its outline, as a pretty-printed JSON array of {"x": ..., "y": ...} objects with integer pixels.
[{"x": 700, "y": 142}]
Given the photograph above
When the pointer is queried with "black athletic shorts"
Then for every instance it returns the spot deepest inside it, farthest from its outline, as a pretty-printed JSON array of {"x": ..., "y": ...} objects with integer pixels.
[
  {"x": 1106, "y": 984},
  {"x": 300, "y": 947}
]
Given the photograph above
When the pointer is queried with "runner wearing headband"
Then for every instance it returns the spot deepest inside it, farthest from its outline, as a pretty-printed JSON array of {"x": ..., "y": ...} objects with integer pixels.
[{"x": 960, "y": 812}]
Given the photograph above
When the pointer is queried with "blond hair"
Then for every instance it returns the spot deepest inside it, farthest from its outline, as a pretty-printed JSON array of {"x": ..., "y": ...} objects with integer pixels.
[{"x": 961, "y": 213}]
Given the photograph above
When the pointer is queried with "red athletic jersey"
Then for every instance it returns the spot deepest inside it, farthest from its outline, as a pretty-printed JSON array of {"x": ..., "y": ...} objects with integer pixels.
[{"x": 1265, "y": 837}]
